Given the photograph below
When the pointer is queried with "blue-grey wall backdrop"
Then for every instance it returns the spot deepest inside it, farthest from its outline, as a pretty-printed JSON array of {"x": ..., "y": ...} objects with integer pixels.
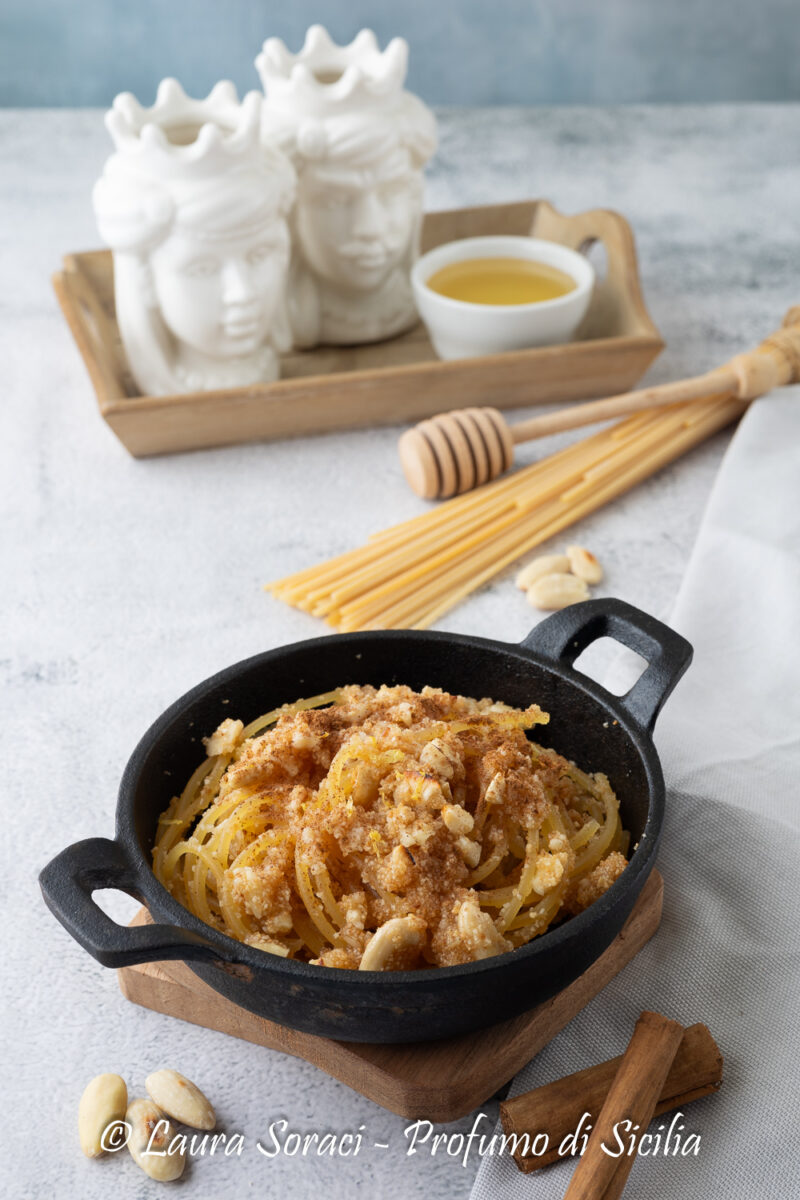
[{"x": 82, "y": 52}]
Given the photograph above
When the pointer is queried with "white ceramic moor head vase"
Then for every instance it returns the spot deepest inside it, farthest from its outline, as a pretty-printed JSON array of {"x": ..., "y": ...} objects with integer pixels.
[
  {"x": 194, "y": 207},
  {"x": 358, "y": 142}
]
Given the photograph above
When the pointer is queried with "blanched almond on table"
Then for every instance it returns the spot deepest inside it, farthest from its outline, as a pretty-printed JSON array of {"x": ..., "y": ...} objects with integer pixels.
[
  {"x": 545, "y": 564},
  {"x": 178, "y": 1097},
  {"x": 553, "y": 592},
  {"x": 584, "y": 564},
  {"x": 149, "y": 1140},
  {"x": 103, "y": 1103}
]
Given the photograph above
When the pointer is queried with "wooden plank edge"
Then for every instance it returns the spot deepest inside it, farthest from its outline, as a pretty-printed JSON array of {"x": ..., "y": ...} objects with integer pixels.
[
  {"x": 388, "y": 1075},
  {"x": 514, "y": 1043},
  {"x": 192, "y": 424},
  {"x": 107, "y": 394},
  {"x": 408, "y": 372}
]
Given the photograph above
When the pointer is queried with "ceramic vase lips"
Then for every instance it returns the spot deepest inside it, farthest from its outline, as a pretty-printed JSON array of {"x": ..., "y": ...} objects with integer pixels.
[
  {"x": 194, "y": 204},
  {"x": 358, "y": 141}
]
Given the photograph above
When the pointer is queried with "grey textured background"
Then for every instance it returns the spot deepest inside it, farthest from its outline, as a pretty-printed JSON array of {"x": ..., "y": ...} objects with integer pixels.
[
  {"x": 126, "y": 582},
  {"x": 56, "y": 52}
]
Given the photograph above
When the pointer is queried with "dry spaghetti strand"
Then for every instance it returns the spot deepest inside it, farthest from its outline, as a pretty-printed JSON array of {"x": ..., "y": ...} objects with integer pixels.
[{"x": 408, "y": 576}]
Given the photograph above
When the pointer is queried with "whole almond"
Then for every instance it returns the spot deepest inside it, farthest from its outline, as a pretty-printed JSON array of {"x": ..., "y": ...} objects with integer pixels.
[
  {"x": 545, "y": 564},
  {"x": 149, "y": 1140},
  {"x": 553, "y": 592},
  {"x": 102, "y": 1104},
  {"x": 584, "y": 564},
  {"x": 178, "y": 1097}
]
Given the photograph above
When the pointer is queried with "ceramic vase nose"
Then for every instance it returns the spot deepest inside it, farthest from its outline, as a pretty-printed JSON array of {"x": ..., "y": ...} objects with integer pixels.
[
  {"x": 348, "y": 124},
  {"x": 189, "y": 193}
]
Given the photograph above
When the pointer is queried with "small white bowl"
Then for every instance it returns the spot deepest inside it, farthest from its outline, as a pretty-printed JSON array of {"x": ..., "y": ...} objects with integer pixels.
[{"x": 460, "y": 329}]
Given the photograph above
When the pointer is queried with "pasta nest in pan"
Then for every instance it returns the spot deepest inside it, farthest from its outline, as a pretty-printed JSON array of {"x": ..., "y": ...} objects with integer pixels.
[{"x": 388, "y": 829}]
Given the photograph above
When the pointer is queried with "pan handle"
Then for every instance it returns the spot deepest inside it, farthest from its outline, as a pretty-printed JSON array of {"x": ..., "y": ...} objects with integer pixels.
[
  {"x": 562, "y": 637},
  {"x": 67, "y": 883}
]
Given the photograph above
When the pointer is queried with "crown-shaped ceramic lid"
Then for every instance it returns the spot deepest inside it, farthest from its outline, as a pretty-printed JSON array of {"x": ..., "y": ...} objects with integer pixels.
[
  {"x": 324, "y": 78},
  {"x": 179, "y": 137}
]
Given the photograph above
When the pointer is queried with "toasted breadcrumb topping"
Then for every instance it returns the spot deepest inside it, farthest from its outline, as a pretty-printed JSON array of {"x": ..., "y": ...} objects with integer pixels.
[{"x": 408, "y": 818}]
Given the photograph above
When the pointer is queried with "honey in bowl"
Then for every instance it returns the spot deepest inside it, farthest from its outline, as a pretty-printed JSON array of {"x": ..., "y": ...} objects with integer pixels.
[{"x": 500, "y": 281}]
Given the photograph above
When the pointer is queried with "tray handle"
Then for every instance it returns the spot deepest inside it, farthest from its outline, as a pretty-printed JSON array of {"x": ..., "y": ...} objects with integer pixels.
[
  {"x": 565, "y": 635},
  {"x": 92, "y": 328},
  {"x": 67, "y": 884},
  {"x": 621, "y": 287}
]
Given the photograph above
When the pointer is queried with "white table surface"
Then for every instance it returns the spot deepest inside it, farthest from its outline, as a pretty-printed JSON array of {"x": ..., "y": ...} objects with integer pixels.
[{"x": 128, "y": 581}]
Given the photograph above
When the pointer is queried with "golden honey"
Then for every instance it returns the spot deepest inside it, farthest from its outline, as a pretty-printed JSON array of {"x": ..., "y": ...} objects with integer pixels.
[{"x": 500, "y": 281}]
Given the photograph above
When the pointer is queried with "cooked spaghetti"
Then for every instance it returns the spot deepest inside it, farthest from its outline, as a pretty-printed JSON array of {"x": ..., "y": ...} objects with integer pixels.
[{"x": 389, "y": 829}]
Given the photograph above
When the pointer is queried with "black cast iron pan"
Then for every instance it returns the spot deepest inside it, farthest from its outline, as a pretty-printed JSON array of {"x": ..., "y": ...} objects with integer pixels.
[{"x": 599, "y": 731}]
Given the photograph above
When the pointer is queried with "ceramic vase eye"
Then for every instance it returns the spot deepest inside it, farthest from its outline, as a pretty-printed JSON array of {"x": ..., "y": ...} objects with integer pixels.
[
  {"x": 194, "y": 206},
  {"x": 358, "y": 142}
]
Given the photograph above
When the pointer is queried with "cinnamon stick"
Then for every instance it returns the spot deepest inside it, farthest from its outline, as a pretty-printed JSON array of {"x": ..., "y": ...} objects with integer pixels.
[
  {"x": 632, "y": 1097},
  {"x": 556, "y": 1108}
]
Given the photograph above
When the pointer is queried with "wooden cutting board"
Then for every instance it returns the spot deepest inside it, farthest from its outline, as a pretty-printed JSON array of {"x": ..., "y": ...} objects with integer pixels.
[{"x": 440, "y": 1081}]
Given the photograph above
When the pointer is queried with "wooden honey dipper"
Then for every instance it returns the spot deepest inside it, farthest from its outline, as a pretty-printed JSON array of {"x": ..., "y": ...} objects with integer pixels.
[{"x": 453, "y": 452}]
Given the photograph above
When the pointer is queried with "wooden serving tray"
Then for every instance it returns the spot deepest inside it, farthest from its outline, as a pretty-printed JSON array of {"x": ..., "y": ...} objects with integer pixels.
[
  {"x": 385, "y": 383},
  {"x": 438, "y": 1081}
]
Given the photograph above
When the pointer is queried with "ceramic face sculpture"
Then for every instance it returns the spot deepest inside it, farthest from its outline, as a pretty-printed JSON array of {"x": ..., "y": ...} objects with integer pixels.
[
  {"x": 194, "y": 205},
  {"x": 359, "y": 142}
]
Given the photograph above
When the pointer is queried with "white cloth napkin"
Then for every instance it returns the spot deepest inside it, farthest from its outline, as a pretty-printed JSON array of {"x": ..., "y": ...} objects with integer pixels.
[{"x": 728, "y": 951}]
